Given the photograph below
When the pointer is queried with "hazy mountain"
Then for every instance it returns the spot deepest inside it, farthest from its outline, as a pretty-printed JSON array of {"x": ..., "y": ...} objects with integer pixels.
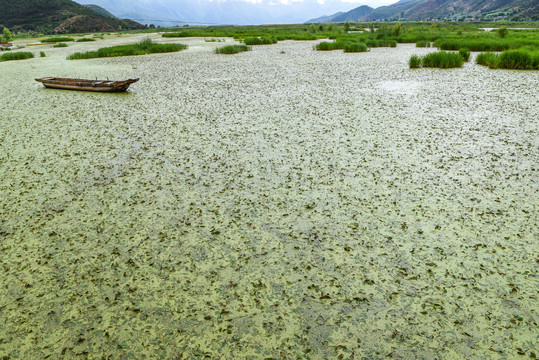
[
  {"x": 324, "y": 19},
  {"x": 391, "y": 11},
  {"x": 352, "y": 15},
  {"x": 177, "y": 12}
]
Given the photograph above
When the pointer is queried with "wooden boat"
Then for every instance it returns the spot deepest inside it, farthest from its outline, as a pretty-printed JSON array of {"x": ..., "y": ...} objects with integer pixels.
[{"x": 86, "y": 85}]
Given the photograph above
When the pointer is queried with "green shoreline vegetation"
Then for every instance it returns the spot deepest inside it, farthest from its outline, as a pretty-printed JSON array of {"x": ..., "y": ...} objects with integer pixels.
[
  {"x": 443, "y": 35},
  {"x": 145, "y": 46}
]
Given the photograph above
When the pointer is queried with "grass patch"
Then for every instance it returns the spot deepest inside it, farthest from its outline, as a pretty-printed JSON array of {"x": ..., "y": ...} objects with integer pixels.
[
  {"x": 485, "y": 44},
  {"x": 465, "y": 53},
  {"x": 57, "y": 39},
  {"x": 85, "y": 39},
  {"x": 232, "y": 49},
  {"x": 259, "y": 41},
  {"x": 422, "y": 44},
  {"x": 522, "y": 59},
  {"x": 360, "y": 47},
  {"x": 415, "y": 62},
  {"x": 42, "y": 54},
  {"x": 374, "y": 43},
  {"x": 328, "y": 46},
  {"x": 487, "y": 59},
  {"x": 143, "y": 47},
  {"x": 19, "y": 55},
  {"x": 59, "y": 45},
  {"x": 439, "y": 59}
]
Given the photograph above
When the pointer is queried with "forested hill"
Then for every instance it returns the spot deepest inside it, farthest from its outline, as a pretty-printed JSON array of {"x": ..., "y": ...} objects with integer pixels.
[{"x": 47, "y": 15}]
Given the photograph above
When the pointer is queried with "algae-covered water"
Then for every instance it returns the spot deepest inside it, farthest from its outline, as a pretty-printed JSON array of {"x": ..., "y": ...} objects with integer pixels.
[{"x": 281, "y": 203}]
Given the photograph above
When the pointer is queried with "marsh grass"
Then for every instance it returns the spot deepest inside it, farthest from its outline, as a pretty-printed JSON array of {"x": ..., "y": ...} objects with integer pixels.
[
  {"x": 374, "y": 43},
  {"x": 465, "y": 53},
  {"x": 85, "y": 39},
  {"x": 18, "y": 55},
  {"x": 415, "y": 62},
  {"x": 42, "y": 54},
  {"x": 442, "y": 60},
  {"x": 259, "y": 41},
  {"x": 59, "y": 45},
  {"x": 485, "y": 44},
  {"x": 521, "y": 59},
  {"x": 439, "y": 59},
  {"x": 232, "y": 49},
  {"x": 422, "y": 44},
  {"x": 360, "y": 47},
  {"x": 57, "y": 39},
  {"x": 487, "y": 59},
  {"x": 145, "y": 46},
  {"x": 327, "y": 46}
]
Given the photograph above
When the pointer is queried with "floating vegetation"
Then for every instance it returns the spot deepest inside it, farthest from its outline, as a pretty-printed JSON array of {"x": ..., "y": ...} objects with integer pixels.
[
  {"x": 59, "y": 45},
  {"x": 143, "y": 47},
  {"x": 302, "y": 206},
  {"x": 232, "y": 49}
]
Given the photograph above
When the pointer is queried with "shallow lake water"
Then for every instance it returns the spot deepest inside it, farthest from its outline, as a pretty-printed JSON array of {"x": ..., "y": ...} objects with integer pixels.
[{"x": 280, "y": 203}]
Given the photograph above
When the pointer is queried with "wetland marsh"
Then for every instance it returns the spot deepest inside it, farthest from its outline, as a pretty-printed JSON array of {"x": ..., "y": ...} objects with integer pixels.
[{"x": 279, "y": 203}]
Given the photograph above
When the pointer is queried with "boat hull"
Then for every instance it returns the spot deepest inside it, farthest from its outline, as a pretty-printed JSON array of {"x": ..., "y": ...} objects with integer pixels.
[{"x": 86, "y": 85}]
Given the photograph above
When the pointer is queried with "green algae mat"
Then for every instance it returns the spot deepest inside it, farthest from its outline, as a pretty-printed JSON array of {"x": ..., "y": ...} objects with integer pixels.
[{"x": 278, "y": 204}]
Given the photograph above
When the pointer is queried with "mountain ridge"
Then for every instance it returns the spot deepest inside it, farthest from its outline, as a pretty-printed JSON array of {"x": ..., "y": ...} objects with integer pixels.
[
  {"x": 446, "y": 10},
  {"x": 48, "y": 16}
]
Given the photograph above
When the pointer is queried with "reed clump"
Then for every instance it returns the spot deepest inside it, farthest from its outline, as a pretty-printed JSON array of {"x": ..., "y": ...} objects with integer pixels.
[
  {"x": 145, "y": 46},
  {"x": 414, "y": 62},
  {"x": 422, "y": 44},
  {"x": 232, "y": 49},
  {"x": 465, "y": 53},
  {"x": 357, "y": 47},
  {"x": 85, "y": 39},
  {"x": 16, "y": 55},
  {"x": 59, "y": 45},
  {"x": 374, "y": 43},
  {"x": 259, "y": 41},
  {"x": 57, "y": 39},
  {"x": 521, "y": 59},
  {"x": 439, "y": 59}
]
